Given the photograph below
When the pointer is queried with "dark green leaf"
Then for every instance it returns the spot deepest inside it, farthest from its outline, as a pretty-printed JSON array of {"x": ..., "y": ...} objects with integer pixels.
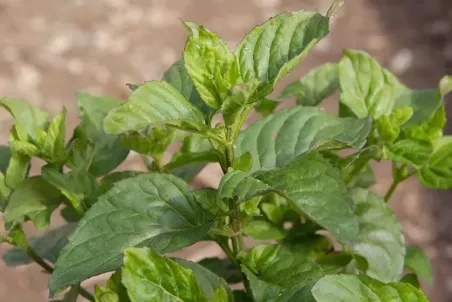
[
  {"x": 153, "y": 104},
  {"x": 411, "y": 279},
  {"x": 341, "y": 288},
  {"x": 288, "y": 134},
  {"x": 317, "y": 85},
  {"x": 210, "y": 64},
  {"x": 417, "y": 262},
  {"x": 151, "y": 277},
  {"x": 208, "y": 281},
  {"x": 333, "y": 263},
  {"x": 366, "y": 87},
  {"x": 311, "y": 185},
  {"x": 275, "y": 48},
  {"x": 34, "y": 198},
  {"x": 29, "y": 120},
  {"x": 179, "y": 78},
  {"x": 115, "y": 284},
  {"x": 153, "y": 144},
  {"x": 224, "y": 268},
  {"x": 154, "y": 210},
  {"x": 5, "y": 156},
  {"x": 380, "y": 239},
  {"x": 107, "y": 151},
  {"x": 48, "y": 246}
]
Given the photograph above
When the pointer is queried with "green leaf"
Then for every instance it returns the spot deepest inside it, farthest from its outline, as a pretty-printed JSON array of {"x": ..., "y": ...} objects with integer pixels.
[
  {"x": 445, "y": 85},
  {"x": 275, "y": 48},
  {"x": 151, "y": 277},
  {"x": 209, "y": 282},
  {"x": 424, "y": 104},
  {"x": 48, "y": 246},
  {"x": 115, "y": 284},
  {"x": 311, "y": 185},
  {"x": 417, "y": 262},
  {"x": 238, "y": 98},
  {"x": 366, "y": 178},
  {"x": 107, "y": 151},
  {"x": 154, "y": 210},
  {"x": 153, "y": 104},
  {"x": 224, "y": 268},
  {"x": 437, "y": 173},
  {"x": 208, "y": 199},
  {"x": 366, "y": 88},
  {"x": 333, "y": 263},
  {"x": 341, "y": 288},
  {"x": 153, "y": 144},
  {"x": 317, "y": 85},
  {"x": 102, "y": 294},
  {"x": 244, "y": 162},
  {"x": 179, "y": 78},
  {"x": 111, "y": 179},
  {"x": 430, "y": 130},
  {"x": 19, "y": 164},
  {"x": 266, "y": 106},
  {"x": 5, "y": 156},
  {"x": 210, "y": 64},
  {"x": 34, "y": 198},
  {"x": 220, "y": 295},
  {"x": 411, "y": 279},
  {"x": 71, "y": 295},
  {"x": 29, "y": 120},
  {"x": 273, "y": 268},
  {"x": 387, "y": 128},
  {"x": 411, "y": 152},
  {"x": 53, "y": 146},
  {"x": 263, "y": 230},
  {"x": 76, "y": 186},
  {"x": 380, "y": 240},
  {"x": 241, "y": 296},
  {"x": 281, "y": 137}
]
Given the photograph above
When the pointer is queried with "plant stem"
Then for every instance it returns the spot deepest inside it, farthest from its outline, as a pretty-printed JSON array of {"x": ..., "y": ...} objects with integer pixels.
[
  {"x": 399, "y": 175},
  {"x": 36, "y": 258},
  {"x": 391, "y": 190}
]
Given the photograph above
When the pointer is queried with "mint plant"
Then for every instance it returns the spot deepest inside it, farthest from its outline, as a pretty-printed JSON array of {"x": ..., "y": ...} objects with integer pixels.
[{"x": 326, "y": 235}]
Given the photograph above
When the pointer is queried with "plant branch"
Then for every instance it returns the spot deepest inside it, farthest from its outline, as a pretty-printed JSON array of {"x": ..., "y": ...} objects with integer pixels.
[
  {"x": 36, "y": 258},
  {"x": 399, "y": 175}
]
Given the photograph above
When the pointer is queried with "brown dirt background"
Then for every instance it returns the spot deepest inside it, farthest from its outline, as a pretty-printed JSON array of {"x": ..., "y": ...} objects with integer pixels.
[{"x": 49, "y": 49}]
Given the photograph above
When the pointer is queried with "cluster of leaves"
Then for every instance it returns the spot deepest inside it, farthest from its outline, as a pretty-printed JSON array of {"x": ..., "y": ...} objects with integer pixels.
[{"x": 285, "y": 182}]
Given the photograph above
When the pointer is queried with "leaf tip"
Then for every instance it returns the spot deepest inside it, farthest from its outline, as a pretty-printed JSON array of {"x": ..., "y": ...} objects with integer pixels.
[{"x": 334, "y": 8}]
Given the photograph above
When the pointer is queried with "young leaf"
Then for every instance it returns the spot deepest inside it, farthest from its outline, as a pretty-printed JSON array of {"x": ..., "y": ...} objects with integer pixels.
[
  {"x": 366, "y": 88},
  {"x": 437, "y": 173},
  {"x": 102, "y": 294},
  {"x": 407, "y": 151},
  {"x": 153, "y": 144},
  {"x": 244, "y": 162},
  {"x": 288, "y": 134},
  {"x": 266, "y": 106},
  {"x": 317, "y": 85},
  {"x": 33, "y": 198},
  {"x": 48, "y": 246},
  {"x": 107, "y": 151},
  {"x": 339, "y": 288},
  {"x": 210, "y": 64},
  {"x": 417, "y": 262},
  {"x": 273, "y": 268},
  {"x": 179, "y": 78},
  {"x": 208, "y": 281},
  {"x": 53, "y": 146},
  {"x": 29, "y": 120},
  {"x": 429, "y": 131},
  {"x": 238, "y": 98},
  {"x": 151, "y": 277},
  {"x": 154, "y": 210},
  {"x": 153, "y": 104},
  {"x": 263, "y": 230},
  {"x": 76, "y": 186},
  {"x": 275, "y": 48},
  {"x": 5, "y": 156},
  {"x": 311, "y": 185},
  {"x": 380, "y": 240}
]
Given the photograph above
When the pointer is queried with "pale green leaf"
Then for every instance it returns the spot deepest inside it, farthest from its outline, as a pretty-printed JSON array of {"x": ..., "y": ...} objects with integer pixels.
[
  {"x": 33, "y": 198},
  {"x": 154, "y": 210},
  {"x": 429, "y": 131},
  {"x": 208, "y": 281},
  {"x": 102, "y": 294},
  {"x": 380, "y": 239},
  {"x": 283, "y": 136},
  {"x": 48, "y": 246},
  {"x": 263, "y": 230},
  {"x": 437, "y": 173},
  {"x": 18, "y": 169},
  {"x": 275, "y": 48},
  {"x": 417, "y": 261},
  {"x": 238, "y": 98},
  {"x": 107, "y": 152},
  {"x": 313, "y": 88},
  {"x": 29, "y": 120},
  {"x": 179, "y": 78},
  {"x": 150, "y": 277},
  {"x": 366, "y": 88},
  {"x": 53, "y": 146},
  {"x": 445, "y": 85},
  {"x": 311, "y": 185},
  {"x": 411, "y": 152},
  {"x": 210, "y": 64},
  {"x": 347, "y": 288},
  {"x": 153, "y": 104}
]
